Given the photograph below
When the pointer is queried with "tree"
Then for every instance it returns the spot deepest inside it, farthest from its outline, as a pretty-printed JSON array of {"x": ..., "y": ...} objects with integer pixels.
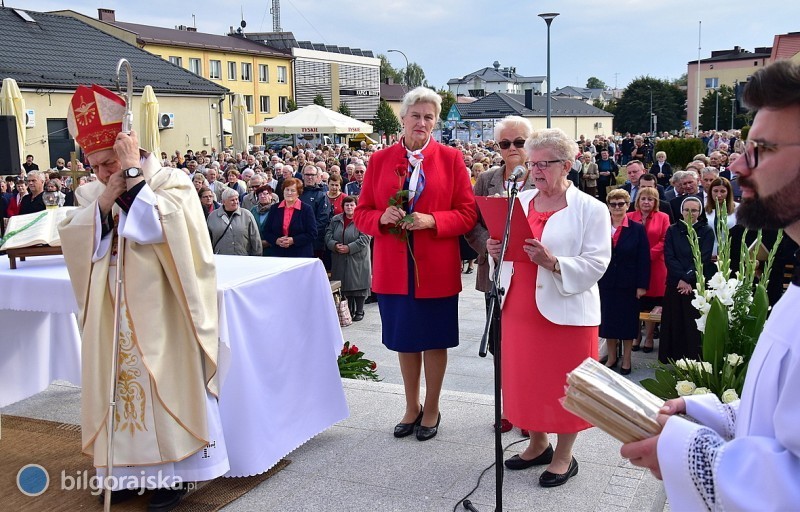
[
  {"x": 387, "y": 71},
  {"x": 319, "y": 100},
  {"x": 681, "y": 81},
  {"x": 711, "y": 119},
  {"x": 415, "y": 76},
  {"x": 291, "y": 105},
  {"x": 448, "y": 100},
  {"x": 598, "y": 103},
  {"x": 633, "y": 109},
  {"x": 386, "y": 122},
  {"x": 595, "y": 83},
  {"x": 344, "y": 109}
]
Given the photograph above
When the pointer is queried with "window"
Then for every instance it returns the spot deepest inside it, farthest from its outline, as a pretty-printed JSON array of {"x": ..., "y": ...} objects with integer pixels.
[
  {"x": 248, "y": 102},
  {"x": 178, "y": 61},
  {"x": 196, "y": 67},
  {"x": 712, "y": 83},
  {"x": 247, "y": 72},
  {"x": 263, "y": 73},
  {"x": 281, "y": 74},
  {"x": 283, "y": 102},
  {"x": 232, "y": 70},
  {"x": 263, "y": 102},
  {"x": 215, "y": 69}
]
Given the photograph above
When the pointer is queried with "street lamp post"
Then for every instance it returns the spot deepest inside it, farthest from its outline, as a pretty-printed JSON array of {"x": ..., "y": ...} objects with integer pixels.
[
  {"x": 716, "y": 110},
  {"x": 548, "y": 18},
  {"x": 405, "y": 73},
  {"x": 651, "y": 109},
  {"x": 733, "y": 108}
]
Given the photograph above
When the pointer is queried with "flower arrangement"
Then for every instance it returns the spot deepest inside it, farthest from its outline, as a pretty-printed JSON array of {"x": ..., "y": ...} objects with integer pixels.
[
  {"x": 398, "y": 200},
  {"x": 353, "y": 364},
  {"x": 732, "y": 315}
]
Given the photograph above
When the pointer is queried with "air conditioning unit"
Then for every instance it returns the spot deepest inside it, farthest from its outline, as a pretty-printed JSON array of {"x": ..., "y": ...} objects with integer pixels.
[
  {"x": 30, "y": 118},
  {"x": 166, "y": 120}
]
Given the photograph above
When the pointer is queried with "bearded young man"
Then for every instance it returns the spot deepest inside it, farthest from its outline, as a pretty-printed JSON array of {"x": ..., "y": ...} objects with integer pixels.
[{"x": 745, "y": 455}]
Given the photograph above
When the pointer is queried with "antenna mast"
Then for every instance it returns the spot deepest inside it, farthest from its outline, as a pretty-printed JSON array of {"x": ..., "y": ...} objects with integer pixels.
[{"x": 276, "y": 15}]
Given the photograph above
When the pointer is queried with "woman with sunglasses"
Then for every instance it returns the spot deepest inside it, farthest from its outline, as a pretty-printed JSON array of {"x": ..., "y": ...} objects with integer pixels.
[
  {"x": 625, "y": 281},
  {"x": 551, "y": 309},
  {"x": 679, "y": 335},
  {"x": 510, "y": 134}
]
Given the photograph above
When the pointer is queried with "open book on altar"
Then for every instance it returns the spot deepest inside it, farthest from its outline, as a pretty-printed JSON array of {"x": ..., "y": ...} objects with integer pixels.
[
  {"x": 40, "y": 228},
  {"x": 612, "y": 403}
]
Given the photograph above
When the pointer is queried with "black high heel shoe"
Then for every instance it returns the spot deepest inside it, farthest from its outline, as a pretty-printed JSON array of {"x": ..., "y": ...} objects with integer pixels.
[
  {"x": 426, "y": 433},
  {"x": 406, "y": 429}
]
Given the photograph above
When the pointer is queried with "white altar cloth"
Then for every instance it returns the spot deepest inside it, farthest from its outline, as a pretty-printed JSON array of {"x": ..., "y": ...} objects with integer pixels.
[{"x": 279, "y": 336}]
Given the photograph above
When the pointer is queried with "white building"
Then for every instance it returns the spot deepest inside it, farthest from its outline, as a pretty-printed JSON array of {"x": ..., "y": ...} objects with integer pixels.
[{"x": 496, "y": 79}]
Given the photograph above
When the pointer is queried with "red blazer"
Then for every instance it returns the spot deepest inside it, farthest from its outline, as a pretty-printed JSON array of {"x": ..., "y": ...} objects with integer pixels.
[
  {"x": 447, "y": 196},
  {"x": 656, "y": 228},
  {"x": 13, "y": 207}
]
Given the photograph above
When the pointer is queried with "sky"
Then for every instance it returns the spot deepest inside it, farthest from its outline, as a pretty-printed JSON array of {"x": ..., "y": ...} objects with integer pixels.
[{"x": 615, "y": 41}]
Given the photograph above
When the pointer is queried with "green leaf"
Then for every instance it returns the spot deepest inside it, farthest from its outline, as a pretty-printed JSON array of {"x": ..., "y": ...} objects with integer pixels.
[
  {"x": 716, "y": 336},
  {"x": 754, "y": 322},
  {"x": 659, "y": 389}
]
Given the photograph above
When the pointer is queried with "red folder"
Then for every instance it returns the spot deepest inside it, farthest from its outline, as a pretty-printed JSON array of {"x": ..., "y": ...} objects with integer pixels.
[{"x": 494, "y": 211}]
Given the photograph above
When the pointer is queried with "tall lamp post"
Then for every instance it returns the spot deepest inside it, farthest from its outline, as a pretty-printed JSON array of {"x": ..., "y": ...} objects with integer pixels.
[
  {"x": 548, "y": 18},
  {"x": 733, "y": 109},
  {"x": 651, "y": 109},
  {"x": 405, "y": 74},
  {"x": 716, "y": 110}
]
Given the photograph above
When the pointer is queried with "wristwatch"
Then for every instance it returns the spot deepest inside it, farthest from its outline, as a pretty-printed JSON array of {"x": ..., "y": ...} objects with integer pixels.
[
  {"x": 133, "y": 172},
  {"x": 557, "y": 267}
]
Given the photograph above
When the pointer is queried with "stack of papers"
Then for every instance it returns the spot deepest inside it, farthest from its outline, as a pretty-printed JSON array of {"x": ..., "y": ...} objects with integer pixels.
[{"x": 611, "y": 402}]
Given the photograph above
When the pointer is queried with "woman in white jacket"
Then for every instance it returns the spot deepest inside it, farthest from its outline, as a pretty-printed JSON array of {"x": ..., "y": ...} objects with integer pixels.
[{"x": 551, "y": 309}]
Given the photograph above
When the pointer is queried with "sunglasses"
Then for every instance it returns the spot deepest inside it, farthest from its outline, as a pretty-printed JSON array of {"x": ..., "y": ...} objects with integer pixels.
[
  {"x": 616, "y": 204},
  {"x": 518, "y": 143}
]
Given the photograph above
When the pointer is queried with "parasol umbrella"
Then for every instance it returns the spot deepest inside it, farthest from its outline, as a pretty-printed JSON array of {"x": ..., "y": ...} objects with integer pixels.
[
  {"x": 239, "y": 123},
  {"x": 150, "y": 137},
  {"x": 12, "y": 104},
  {"x": 313, "y": 119}
]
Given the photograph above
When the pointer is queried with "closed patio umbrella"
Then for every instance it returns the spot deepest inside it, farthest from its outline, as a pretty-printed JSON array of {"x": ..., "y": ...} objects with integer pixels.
[
  {"x": 12, "y": 104},
  {"x": 239, "y": 123},
  {"x": 150, "y": 137}
]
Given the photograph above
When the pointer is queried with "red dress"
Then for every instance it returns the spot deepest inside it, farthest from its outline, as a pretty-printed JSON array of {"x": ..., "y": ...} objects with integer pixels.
[
  {"x": 656, "y": 228},
  {"x": 537, "y": 354}
]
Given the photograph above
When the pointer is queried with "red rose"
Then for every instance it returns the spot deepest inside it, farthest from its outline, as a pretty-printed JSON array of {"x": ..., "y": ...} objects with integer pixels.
[
  {"x": 401, "y": 171},
  {"x": 372, "y": 365},
  {"x": 354, "y": 350}
]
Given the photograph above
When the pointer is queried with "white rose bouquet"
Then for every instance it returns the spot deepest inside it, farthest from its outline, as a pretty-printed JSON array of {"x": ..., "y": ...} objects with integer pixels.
[{"x": 732, "y": 315}]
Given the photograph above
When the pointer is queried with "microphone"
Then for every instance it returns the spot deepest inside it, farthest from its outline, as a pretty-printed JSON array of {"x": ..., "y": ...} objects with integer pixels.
[{"x": 517, "y": 173}]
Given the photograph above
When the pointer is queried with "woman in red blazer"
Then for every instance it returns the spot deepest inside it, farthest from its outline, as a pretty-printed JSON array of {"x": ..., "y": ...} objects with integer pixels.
[
  {"x": 415, "y": 201},
  {"x": 655, "y": 224}
]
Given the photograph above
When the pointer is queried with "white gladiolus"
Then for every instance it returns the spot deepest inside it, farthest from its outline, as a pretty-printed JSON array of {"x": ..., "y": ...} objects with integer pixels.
[
  {"x": 729, "y": 396},
  {"x": 717, "y": 281},
  {"x": 725, "y": 295},
  {"x": 734, "y": 360},
  {"x": 701, "y": 391},
  {"x": 685, "y": 388},
  {"x": 701, "y": 324}
]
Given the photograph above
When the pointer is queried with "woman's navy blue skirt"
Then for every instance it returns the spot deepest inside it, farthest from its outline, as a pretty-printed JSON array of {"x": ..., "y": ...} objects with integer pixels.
[{"x": 415, "y": 325}]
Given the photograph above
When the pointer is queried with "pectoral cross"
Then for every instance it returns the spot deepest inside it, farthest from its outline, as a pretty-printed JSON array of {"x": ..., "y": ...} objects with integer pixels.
[{"x": 74, "y": 172}]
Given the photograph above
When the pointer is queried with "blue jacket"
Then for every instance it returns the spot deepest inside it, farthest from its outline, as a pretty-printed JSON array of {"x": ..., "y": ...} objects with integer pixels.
[
  {"x": 303, "y": 228},
  {"x": 630, "y": 260}
]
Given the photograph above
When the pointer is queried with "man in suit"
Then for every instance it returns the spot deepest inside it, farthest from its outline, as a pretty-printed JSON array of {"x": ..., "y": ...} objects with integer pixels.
[
  {"x": 734, "y": 179},
  {"x": 635, "y": 171},
  {"x": 689, "y": 187}
]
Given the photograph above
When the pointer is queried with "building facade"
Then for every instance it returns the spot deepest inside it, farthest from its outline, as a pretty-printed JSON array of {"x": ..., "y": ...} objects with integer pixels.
[
  {"x": 724, "y": 67},
  {"x": 339, "y": 74}
]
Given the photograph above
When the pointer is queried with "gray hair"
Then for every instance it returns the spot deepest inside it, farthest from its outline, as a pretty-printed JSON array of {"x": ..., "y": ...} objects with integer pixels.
[
  {"x": 710, "y": 170},
  {"x": 228, "y": 193},
  {"x": 555, "y": 140},
  {"x": 677, "y": 176},
  {"x": 37, "y": 174},
  {"x": 421, "y": 95},
  {"x": 511, "y": 122},
  {"x": 690, "y": 174}
]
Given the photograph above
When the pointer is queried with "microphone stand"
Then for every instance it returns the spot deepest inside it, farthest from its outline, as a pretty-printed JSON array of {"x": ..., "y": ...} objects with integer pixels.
[{"x": 493, "y": 320}]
